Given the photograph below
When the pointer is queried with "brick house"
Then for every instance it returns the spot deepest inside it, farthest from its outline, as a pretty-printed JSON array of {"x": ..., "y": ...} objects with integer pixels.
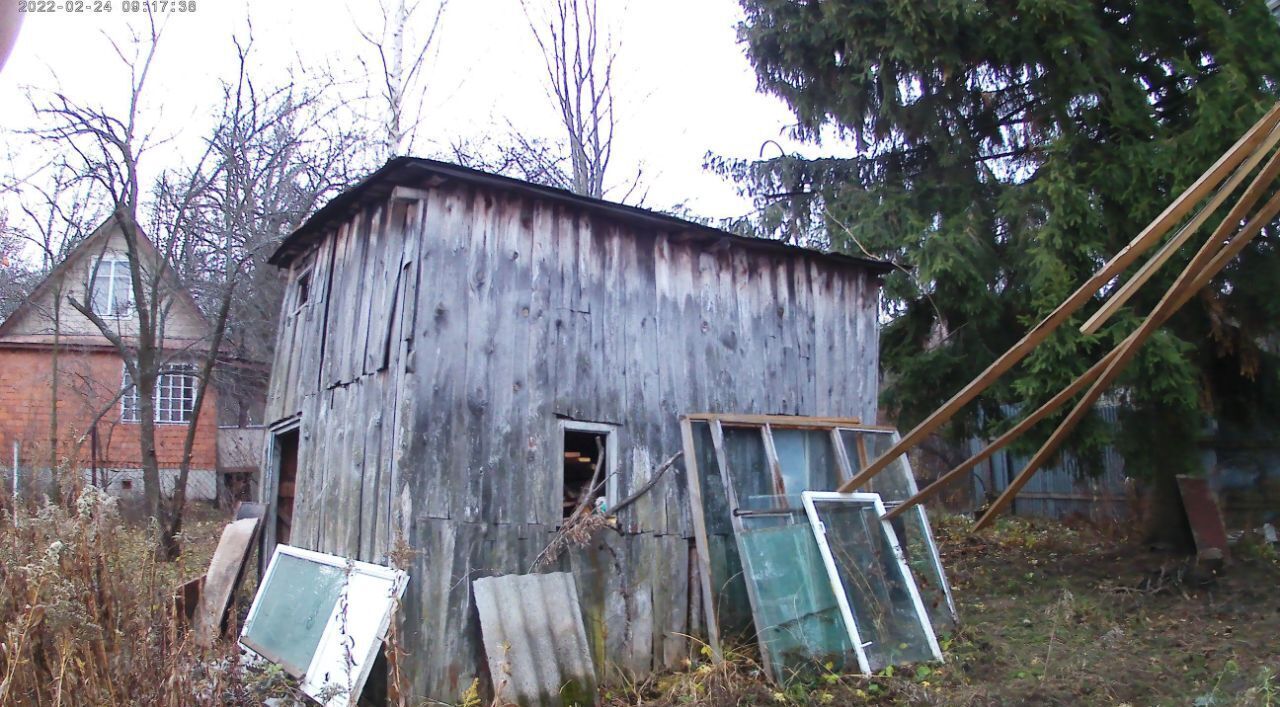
[{"x": 97, "y": 412}]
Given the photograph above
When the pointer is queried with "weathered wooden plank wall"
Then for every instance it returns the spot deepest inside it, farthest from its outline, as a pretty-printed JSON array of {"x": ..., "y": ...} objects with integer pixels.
[{"x": 445, "y": 337}]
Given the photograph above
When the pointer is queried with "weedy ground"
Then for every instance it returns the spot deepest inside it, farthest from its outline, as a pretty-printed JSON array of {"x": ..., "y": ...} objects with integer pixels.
[
  {"x": 1054, "y": 615},
  {"x": 86, "y": 613},
  {"x": 1051, "y": 615}
]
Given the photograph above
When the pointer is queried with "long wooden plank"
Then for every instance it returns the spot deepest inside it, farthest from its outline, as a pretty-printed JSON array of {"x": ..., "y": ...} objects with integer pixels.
[
  {"x": 1195, "y": 276},
  {"x": 1003, "y": 440},
  {"x": 702, "y": 538},
  {"x": 788, "y": 421},
  {"x": 1049, "y": 407},
  {"x": 1166, "y": 252},
  {"x": 1172, "y": 214}
]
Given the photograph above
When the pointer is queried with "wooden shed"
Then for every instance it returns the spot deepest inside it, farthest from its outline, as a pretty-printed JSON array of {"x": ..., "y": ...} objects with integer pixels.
[{"x": 457, "y": 348}]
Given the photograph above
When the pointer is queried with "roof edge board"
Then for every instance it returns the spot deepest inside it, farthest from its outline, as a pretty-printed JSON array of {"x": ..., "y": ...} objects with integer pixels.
[{"x": 398, "y": 170}]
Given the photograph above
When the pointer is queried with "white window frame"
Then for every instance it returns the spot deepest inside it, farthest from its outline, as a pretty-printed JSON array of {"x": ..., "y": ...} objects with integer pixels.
[
  {"x": 96, "y": 280},
  {"x": 130, "y": 403},
  {"x": 612, "y": 453},
  {"x": 833, "y": 573},
  {"x": 165, "y": 411},
  {"x": 355, "y": 629}
]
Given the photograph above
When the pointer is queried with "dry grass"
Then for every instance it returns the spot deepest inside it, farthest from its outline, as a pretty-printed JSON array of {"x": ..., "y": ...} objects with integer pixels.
[
  {"x": 1053, "y": 615},
  {"x": 87, "y": 620}
]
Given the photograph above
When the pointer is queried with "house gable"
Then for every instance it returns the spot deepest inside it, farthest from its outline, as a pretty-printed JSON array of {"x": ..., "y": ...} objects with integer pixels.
[{"x": 33, "y": 323}]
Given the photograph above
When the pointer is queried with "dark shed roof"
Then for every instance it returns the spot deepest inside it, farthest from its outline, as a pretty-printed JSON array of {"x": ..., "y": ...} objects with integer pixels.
[{"x": 413, "y": 171}]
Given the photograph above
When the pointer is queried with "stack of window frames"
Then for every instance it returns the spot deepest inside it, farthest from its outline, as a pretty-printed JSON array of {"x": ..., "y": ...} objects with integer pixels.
[{"x": 747, "y": 476}]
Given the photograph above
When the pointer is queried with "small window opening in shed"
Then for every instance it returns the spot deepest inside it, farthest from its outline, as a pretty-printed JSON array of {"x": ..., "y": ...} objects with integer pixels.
[
  {"x": 304, "y": 288},
  {"x": 582, "y": 452},
  {"x": 584, "y": 446}
]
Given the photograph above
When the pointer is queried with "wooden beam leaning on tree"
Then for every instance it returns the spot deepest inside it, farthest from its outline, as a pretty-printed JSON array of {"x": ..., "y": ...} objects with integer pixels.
[
  {"x": 1234, "y": 217},
  {"x": 1175, "y": 212},
  {"x": 1184, "y": 234},
  {"x": 1207, "y": 263}
]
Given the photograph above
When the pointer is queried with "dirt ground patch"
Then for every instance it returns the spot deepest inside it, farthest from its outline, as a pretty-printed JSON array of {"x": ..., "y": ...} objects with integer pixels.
[{"x": 1057, "y": 615}]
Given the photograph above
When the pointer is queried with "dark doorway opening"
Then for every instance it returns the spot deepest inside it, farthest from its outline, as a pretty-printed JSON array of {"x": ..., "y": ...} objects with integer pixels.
[{"x": 287, "y": 475}]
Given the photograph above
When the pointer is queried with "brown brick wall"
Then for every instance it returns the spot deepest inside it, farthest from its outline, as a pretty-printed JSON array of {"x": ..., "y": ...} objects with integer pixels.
[{"x": 88, "y": 380}]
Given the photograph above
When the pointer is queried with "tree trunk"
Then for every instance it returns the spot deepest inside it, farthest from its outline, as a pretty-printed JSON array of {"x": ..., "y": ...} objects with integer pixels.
[
  {"x": 55, "y": 485},
  {"x": 150, "y": 462}
]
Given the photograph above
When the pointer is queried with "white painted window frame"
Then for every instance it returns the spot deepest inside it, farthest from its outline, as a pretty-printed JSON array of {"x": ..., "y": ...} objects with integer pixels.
[
  {"x": 96, "y": 280},
  {"x": 837, "y": 586},
  {"x": 612, "y": 455},
  {"x": 935, "y": 557},
  {"x": 128, "y": 393},
  {"x": 161, "y": 406},
  {"x": 333, "y": 645}
]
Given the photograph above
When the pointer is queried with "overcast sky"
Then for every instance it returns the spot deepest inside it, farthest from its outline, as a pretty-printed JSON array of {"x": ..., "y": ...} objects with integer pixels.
[{"x": 684, "y": 85}]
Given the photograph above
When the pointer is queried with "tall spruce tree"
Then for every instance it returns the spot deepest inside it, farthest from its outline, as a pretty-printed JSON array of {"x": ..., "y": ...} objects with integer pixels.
[{"x": 1004, "y": 151}]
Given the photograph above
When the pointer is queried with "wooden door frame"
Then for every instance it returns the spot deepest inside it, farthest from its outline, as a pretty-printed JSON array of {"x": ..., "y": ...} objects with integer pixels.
[{"x": 269, "y": 489}]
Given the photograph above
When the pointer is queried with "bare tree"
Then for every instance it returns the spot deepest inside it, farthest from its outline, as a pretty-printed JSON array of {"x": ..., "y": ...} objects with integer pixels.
[
  {"x": 256, "y": 177},
  {"x": 402, "y": 44},
  {"x": 579, "y": 59},
  {"x": 280, "y": 151},
  {"x": 110, "y": 149},
  {"x": 269, "y": 160},
  {"x": 55, "y": 212},
  {"x": 516, "y": 155},
  {"x": 275, "y": 154}
]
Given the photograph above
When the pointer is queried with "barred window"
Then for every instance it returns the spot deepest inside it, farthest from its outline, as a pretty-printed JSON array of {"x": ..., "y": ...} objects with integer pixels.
[{"x": 175, "y": 399}]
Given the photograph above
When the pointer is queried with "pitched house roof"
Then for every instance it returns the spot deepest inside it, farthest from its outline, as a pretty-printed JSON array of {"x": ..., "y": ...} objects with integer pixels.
[
  {"x": 15, "y": 328},
  {"x": 414, "y": 171}
]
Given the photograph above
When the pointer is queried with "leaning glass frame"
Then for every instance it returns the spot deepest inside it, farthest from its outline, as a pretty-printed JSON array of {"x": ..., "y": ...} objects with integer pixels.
[
  {"x": 355, "y": 604},
  {"x": 906, "y": 577},
  {"x": 705, "y": 458},
  {"x": 897, "y": 483}
]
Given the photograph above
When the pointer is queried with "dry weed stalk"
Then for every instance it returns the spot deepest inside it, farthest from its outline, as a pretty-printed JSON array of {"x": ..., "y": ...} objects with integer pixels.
[{"x": 87, "y": 619}]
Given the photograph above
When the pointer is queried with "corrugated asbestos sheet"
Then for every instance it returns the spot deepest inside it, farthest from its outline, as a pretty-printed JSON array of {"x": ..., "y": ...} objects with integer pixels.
[{"x": 534, "y": 640}]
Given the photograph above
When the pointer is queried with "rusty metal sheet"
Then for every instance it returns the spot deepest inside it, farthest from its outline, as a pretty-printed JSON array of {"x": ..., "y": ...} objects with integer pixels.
[
  {"x": 534, "y": 640},
  {"x": 1203, "y": 514}
]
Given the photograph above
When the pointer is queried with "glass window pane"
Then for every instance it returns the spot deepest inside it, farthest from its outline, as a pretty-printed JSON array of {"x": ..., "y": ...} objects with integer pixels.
[
  {"x": 895, "y": 484},
  {"x": 129, "y": 403},
  {"x": 732, "y": 606},
  {"x": 715, "y": 507},
  {"x": 121, "y": 288},
  {"x": 100, "y": 286},
  {"x": 748, "y": 464},
  {"x": 875, "y": 585},
  {"x": 913, "y": 533},
  {"x": 797, "y": 619},
  {"x": 293, "y": 608},
  {"x": 807, "y": 460}
]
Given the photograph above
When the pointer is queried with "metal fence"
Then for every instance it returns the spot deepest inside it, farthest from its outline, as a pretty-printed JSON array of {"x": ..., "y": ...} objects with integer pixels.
[
  {"x": 26, "y": 484},
  {"x": 1059, "y": 491}
]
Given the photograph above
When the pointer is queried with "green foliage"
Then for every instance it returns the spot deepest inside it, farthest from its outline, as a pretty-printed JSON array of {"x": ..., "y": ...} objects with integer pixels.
[{"x": 1005, "y": 150}]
